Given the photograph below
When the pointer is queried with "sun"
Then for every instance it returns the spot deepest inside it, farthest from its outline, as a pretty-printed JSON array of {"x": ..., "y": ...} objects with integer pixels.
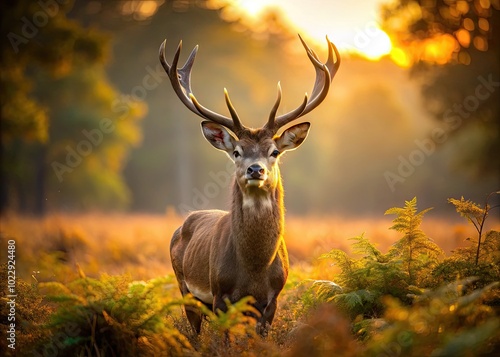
[
  {"x": 353, "y": 29},
  {"x": 378, "y": 47},
  {"x": 253, "y": 8}
]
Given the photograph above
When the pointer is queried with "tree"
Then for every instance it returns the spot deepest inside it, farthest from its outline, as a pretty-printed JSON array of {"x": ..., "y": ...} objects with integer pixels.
[
  {"x": 51, "y": 67},
  {"x": 451, "y": 47}
]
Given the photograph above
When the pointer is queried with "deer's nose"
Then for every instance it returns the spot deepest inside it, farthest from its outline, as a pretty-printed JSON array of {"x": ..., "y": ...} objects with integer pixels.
[{"x": 256, "y": 171}]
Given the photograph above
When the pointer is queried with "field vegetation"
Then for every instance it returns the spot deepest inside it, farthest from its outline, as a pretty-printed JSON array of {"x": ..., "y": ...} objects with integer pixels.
[{"x": 102, "y": 285}]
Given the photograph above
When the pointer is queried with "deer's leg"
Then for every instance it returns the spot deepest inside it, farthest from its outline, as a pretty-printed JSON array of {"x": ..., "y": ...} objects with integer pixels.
[
  {"x": 195, "y": 317},
  {"x": 194, "y": 314},
  {"x": 265, "y": 321},
  {"x": 219, "y": 304}
]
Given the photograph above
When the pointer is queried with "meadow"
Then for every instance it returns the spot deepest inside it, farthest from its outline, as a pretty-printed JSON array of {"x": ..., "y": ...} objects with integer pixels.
[{"x": 101, "y": 284}]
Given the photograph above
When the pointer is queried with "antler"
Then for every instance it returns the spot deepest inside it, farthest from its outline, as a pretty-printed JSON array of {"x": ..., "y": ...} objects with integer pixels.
[
  {"x": 324, "y": 75},
  {"x": 181, "y": 82}
]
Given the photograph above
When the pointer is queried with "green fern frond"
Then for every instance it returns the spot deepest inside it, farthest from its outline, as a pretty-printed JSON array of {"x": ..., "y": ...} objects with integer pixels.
[
  {"x": 237, "y": 320},
  {"x": 114, "y": 308},
  {"x": 363, "y": 246},
  {"x": 325, "y": 289},
  {"x": 57, "y": 292},
  {"x": 468, "y": 209},
  {"x": 351, "y": 300},
  {"x": 417, "y": 251}
]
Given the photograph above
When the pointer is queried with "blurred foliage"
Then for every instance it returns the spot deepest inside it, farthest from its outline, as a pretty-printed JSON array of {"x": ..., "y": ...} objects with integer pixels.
[
  {"x": 466, "y": 25},
  {"x": 441, "y": 322},
  {"x": 454, "y": 49},
  {"x": 31, "y": 314},
  {"x": 114, "y": 315},
  {"x": 54, "y": 92},
  {"x": 38, "y": 38},
  {"x": 58, "y": 92}
]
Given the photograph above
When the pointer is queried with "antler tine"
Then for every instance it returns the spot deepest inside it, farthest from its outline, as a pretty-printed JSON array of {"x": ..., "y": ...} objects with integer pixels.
[
  {"x": 236, "y": 120},
  {"x": 181, "y": 83},
  {"x": 274, "y": 110},
  {"x": 271, "y": 124},
  {"x": 324, "y": 75}
]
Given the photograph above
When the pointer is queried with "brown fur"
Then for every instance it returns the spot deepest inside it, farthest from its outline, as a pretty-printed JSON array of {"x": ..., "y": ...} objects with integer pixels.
[
  {"x": 218, "y": 255},
  {"x": 237, "y": 253}
]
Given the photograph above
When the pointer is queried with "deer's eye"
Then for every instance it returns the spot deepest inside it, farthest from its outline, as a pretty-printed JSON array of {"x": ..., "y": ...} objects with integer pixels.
[
  {"x": 236, "y": 154},
  {"x": 275, "y": 153}
]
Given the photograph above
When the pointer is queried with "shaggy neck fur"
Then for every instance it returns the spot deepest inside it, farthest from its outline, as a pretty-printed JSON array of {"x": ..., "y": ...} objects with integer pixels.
[{"x": 257, "y": 222}]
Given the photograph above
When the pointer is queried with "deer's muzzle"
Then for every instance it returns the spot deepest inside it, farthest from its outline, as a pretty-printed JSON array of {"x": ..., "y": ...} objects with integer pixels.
[{"x": 256, "y": 175}]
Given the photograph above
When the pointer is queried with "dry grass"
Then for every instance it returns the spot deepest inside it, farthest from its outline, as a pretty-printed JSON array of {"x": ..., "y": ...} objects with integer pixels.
[
  {"x": 137, "y": 244},
  {"x": 308, "y": 237},
  {"x": 112, "y": 243}
]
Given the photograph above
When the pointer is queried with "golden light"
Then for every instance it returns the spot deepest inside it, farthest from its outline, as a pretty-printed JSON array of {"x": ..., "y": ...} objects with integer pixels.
[
  {"x": 378, "y": 47},
  {"x": 463, "y": 36},
  {"x": 484, "y": 25},
  {"x": 401, "y": 57},
  {"x": 480, "y": 43},
  {"x": 253, "y": 7},
  {"x": 140, "y": 10},
  {"x": 439, "y": 50},
  {"x": 353, "y": 29}
]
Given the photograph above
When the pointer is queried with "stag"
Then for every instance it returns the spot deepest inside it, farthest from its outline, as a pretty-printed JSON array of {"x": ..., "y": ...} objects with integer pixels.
[{"x": 218, "y": 255}]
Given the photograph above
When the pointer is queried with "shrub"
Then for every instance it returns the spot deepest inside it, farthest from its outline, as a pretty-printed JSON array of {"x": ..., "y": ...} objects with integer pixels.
[
  {"x": 443, "y": 322},
  {"x": 364, "y": 280},
  {"x": 31, "y": 314},
  {"x": 115, "y": 316},
  {"x": 481, "y": 258}
]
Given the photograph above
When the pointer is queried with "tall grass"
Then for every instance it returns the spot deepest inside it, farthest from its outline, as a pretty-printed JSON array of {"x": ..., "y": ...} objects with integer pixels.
[
  {"x": 95, "y": 285},
  {"x": 137, "y": 244}
]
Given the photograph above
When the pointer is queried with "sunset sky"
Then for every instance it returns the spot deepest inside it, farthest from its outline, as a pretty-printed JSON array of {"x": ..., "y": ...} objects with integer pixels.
[{"x": 353, "y": 28}]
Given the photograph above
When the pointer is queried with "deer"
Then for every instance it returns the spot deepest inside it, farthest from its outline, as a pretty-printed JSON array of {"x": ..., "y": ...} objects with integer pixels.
[{"x": 220, "y": 256}]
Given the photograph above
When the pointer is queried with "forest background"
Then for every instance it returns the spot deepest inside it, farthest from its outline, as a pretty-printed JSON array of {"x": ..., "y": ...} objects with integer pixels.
[{"x": 89, "y": 121}]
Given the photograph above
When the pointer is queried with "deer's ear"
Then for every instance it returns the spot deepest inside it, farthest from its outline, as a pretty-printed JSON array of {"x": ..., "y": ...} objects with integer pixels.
[
  {"x": 218, "y": 136},
  {"x": 292, "y": 137}
]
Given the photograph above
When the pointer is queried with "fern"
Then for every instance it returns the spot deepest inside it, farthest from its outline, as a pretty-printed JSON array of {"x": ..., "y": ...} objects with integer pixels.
[
  {"x": 358, "y": 303},
  {"x": 347, "y": 266},
  {"x": 31, "y": 313},
  {"x": 114, "y": 315},
  {"x": 418, "y": 252},
  {"x": 237, "y": 320},
  {"x": 362, "y": 246},
  {"x": 475, "y": 215},
  {"x": 441, "y": 322},
  {"x": 480, "y": 260},
  {"x": 362, "y": 280}
]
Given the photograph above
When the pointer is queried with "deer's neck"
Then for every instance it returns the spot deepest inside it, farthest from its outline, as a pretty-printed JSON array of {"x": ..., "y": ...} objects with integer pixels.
[{"x": 257, "y": 225}]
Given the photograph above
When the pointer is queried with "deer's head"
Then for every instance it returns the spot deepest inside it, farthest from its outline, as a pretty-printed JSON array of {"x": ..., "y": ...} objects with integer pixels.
[{"x": 255, "y": 151}]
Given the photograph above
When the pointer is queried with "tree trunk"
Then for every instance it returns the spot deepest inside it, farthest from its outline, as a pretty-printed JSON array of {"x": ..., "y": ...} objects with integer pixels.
[{"x": 39, "y": 184}]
